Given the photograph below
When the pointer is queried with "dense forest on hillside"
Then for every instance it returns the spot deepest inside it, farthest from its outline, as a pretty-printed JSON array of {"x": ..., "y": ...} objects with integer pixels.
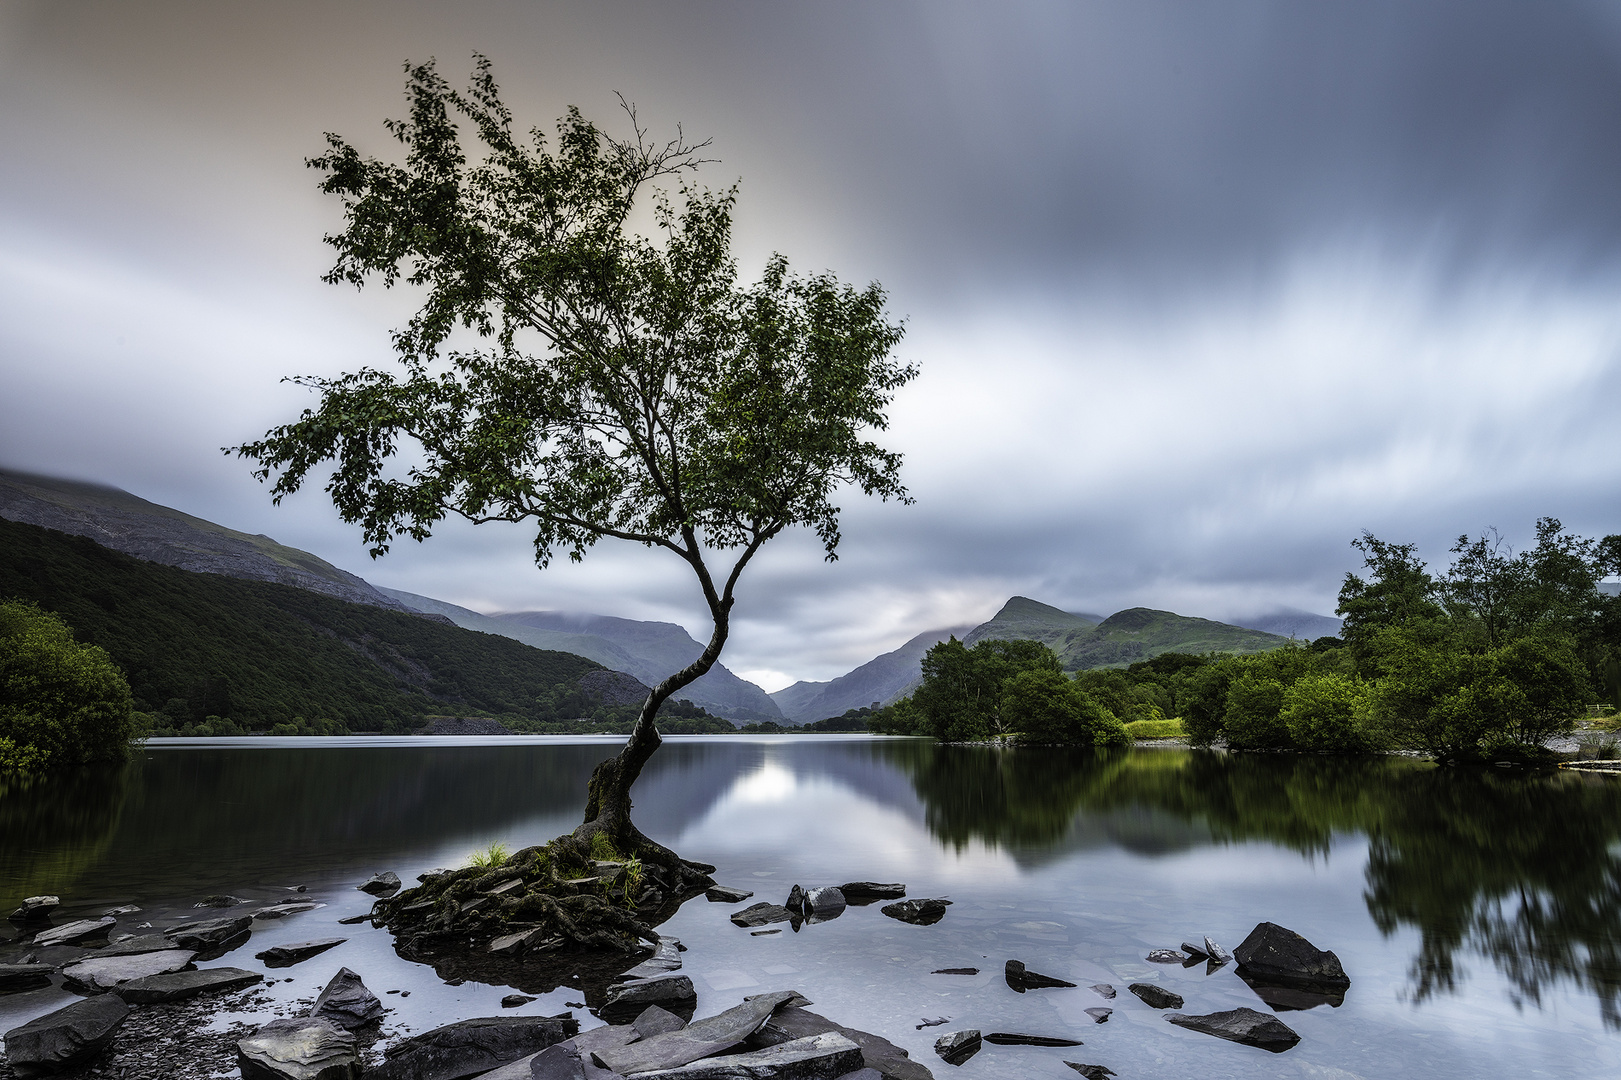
[{"x": 199, "y": 645}]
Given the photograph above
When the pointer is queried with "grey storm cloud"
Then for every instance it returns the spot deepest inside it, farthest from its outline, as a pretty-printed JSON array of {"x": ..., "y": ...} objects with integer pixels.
[{"x": 1199, "y": 291}]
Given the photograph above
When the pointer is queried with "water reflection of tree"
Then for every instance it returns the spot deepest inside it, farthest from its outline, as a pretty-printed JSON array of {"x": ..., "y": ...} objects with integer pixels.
[
  {"x": 1523, "y": 870},
  {"x": 55, "y": 827}
]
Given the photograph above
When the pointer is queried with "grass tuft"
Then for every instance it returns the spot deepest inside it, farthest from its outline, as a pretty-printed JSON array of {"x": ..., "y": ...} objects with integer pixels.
[
  {"x": 488, "y": 858},
  {"x": 1155, "y": 729}
]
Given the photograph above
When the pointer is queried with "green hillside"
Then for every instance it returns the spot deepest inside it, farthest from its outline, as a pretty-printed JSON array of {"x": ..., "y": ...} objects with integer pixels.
[
  {"x": 1083, "y": 643},
  {"x": 195, "y": 645}
]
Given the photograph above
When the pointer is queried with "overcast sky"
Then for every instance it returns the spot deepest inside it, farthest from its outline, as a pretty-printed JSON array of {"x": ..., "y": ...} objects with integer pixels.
[{"x": 1198, "y": 292}]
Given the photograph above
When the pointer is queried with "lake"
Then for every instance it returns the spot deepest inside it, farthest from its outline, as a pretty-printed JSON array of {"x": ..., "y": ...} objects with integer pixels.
[{"x": 1477, "y": 911}]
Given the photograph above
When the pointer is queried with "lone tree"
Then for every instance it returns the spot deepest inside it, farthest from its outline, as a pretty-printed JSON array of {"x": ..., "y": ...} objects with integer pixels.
[{"x": 565, "y": 371}]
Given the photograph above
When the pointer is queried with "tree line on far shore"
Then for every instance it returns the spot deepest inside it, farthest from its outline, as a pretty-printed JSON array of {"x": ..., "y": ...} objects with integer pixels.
[{"x": 1492, "y": 658}]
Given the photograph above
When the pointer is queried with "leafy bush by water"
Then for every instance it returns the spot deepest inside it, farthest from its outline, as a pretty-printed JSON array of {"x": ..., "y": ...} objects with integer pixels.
[{"x": 61, "y": 703}]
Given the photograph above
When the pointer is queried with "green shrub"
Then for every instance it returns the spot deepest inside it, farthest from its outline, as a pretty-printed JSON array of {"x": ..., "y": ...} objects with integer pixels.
[
  {"x": 61, "y": 703},
  {"x": 1042, "y": 706},
  {"x": 1251, "y": 720},
  {"x": 488, "y": 857},
  {"x": 1327, "y": 712}
]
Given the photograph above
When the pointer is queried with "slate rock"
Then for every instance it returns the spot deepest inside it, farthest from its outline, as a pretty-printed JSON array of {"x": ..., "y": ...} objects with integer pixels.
[
  {"x": 1156, "y": 997},
  {"x": 300, "y": 1048},
  {"x": 1091, "y": 1072},
  {"x": 824, "y": 903},
  {"x": 920, "y": 912},
  {"x": 1104, "y": 990},
  {"x": 955, "y": 971},
  {"x": 180, "y": 985},
  {"x": 15, "y": 977},
  {"x": 761, "y": 915},
  {"x": 818, "y": 1057},
  {"x": 281, "y": 956},
  {"x": 865, "y": 892},
  {"x": 1216, "y": 953},
  {"x": 126, "y": 909},
  {"x": 518, "y": 942},
  {"x": 1195, "y": 952},
  {"x": 135, "y": 945},
  {"x": 656, "y": 1021},
  {"x": 557, "y": 1062},
  {"x": 725, "y": 894},
  {"x": 76, "y": 932},
  {"x": 354, "y": 920},
  {"x": 863, "y": 1074},
  {"x": 956, "y": 1047},
  {"x": 1020, "y": 979},
  {"x": 102, "y": 973},
  {"x": 665, "y": 959},
  {"x": 792, "y": 1022},
  {"x": 700, "y": 1039},
  {"x": 626, "y": 1001},
  {"x": 213, "y": 937},
  {"x": 472, "y": 1047},
  {"x": 1242, "y": 1026},
  {"x": 1019, "y": 1038},
  {"x": 1100, "y": 1014},
  {"x": 347, "y": 1003},
  {"x": 796, "y": 900},
  {"x": 221, "y": 900},
  {"x": 385, "y": 884},
  {"x": 36, "y": 911},
  {"x": 513, "y": 1001},
  {"x": 281, "y": 911},
  {"x": 1165, "y": 956},
  {"x": 1276, "y": 954},
  {"x": 70, "y": 1036}
]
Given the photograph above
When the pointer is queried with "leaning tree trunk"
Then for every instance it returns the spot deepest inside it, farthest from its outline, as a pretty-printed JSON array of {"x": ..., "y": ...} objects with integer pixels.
[{"x": 608, "y": 804}]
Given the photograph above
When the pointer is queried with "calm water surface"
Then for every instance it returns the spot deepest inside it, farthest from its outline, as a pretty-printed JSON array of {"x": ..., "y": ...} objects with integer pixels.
[{"x": 1478, "y": 913}]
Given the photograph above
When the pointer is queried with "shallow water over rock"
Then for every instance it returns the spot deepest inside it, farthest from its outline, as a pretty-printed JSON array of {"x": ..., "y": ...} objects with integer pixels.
[{"x": 1476, "y": 912}]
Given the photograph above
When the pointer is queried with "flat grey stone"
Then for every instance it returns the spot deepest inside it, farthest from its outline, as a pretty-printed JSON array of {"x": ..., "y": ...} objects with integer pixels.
[
  {"x": 956, "y": 1047},
  {"x": 1277, "y": 954},
  {"x": 472, "y": 1047},
  {"x": 1195, "y": 952},
  {"x": 133, "y": 946},
  {"x": 626, "y": 1001},
  {"x": 792, "y": 1022},
  {"x": 1156, "y": 997},
  {"x": 1020, "y": 1038},
  {"x": 666, "y": 959},
  {"x": 725, "y": 894},
  {"x": 102, "y": 973},
  {"x": 70, "y": 1036},
  {"x": 1103, "y": 990},
  {"x": 14, "y": 977},
  {"x": 863, "y": 1074},
  {"x": 704, "y": 1038},
  {"x": 513, "y": 1001},
  {"x": 347, "y": 1003},
  {"x": 656, "y": 1021},
  {"x": 1100, "y": 1014},
  {"x": 301, "y": 1048},
  {"x": 761, "y": 914},
  {"x": 872, "y": 890},
  {"x": 213, "y": 937},
  {"x": 180, "y": 985},
  {"x": 281, "y": 911},
  {"x": 281, "y": 956},
  {"x": 385, "y": 884},
  {"x": 924, "y": 911},
  {"x": 1020, "y": 978},
  {"x": 1091, "y": 1072},
  {"x": 515, "y": 943},
  {"x": 221, "y": 900},
  {"x": 1216, "y": 952},
  {"x": 1242, "y": 1026},
  {"x": 75, "y": 932},
  {"x": 819, "y": 1057},
  {"x": 126, "y": 909},
  {"x": 1166, "y": 956}
]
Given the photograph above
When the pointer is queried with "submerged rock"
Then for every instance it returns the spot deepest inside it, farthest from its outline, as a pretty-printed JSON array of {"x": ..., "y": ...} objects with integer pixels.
[
  {"x": 956, "y": 1047},
  {"x": 666, "y": 958},
  {"x": 221, "y": 900},
  {"x": 347, "y": 1003},
  {"x": 102, "y": 973},
  {"x": 35, "y": 911},
  {"x": 1242, "y": 1026},
  {"x": 281, "y": 956},
  {"x": 1100, "y": 1014},
  {"x": 1103, "y": 990},
  {"x": 920, "y": 912},
  {"x": 1019, "y": 978},
  {"x": 513, "y": 1001},
  {"x": 70, "y": 1036},
  {"x": 725, "y": 894},
  {"x": 955, "y": 971},
  {"x": 76, "y": 932},
  {"x": 1156, "y": 997},
  {"x": 385, "y": 884},
  {"x": 472, "y": 1047},
  {"x": 300, "y": 1048},
  {"x": 626, "y": 1001},
  {"x": 1091, "y": 1072},
  {"x": 14, "y": 977},
  {"x": 181, "y": 985},
  {"x": 1275, "y": 954},
  {"x": 1016, "y": 1038}
]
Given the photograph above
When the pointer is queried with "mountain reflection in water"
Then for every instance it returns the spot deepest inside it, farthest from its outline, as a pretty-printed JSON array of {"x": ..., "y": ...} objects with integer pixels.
[{"x": 1521, "y": 869}]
